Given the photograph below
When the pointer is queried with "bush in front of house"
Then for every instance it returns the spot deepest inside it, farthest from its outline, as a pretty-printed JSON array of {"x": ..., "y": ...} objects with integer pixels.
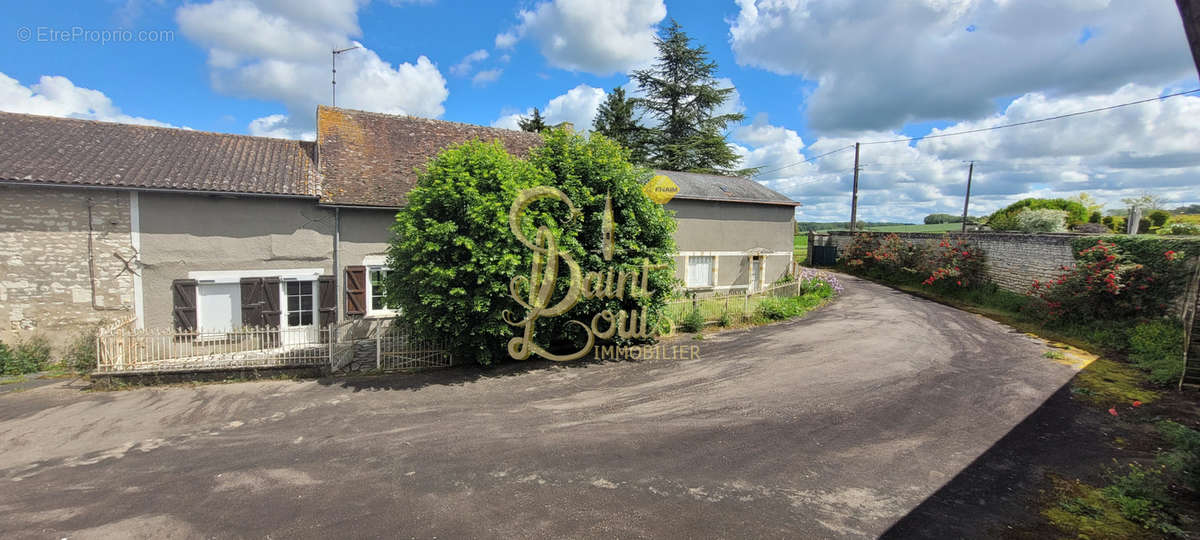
[
  {"x": 30, "y": 355},
  {"x": 1042, "y": 220},
  {"x": 954, "y": 262},
  {"x": 453, "y": 253},
  {"x": 692, "y": 321},
  {"x": 1157, "y": 348},
  {"x": 80, "y": 355}
]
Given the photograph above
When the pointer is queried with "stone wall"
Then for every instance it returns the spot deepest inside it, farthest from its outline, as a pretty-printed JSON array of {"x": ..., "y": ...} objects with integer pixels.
[
  {"x": 1014, "y": 260},
  {"x": 46, "y": 286}
]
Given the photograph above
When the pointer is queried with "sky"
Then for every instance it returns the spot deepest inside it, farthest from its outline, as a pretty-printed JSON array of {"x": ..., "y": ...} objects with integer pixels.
[{"x": 811, "y": 77}]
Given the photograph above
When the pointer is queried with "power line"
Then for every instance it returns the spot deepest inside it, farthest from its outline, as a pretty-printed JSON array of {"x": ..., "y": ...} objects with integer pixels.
[
  {"x": 805, "y": 160},
  {"x": 1027, "y": 122}
]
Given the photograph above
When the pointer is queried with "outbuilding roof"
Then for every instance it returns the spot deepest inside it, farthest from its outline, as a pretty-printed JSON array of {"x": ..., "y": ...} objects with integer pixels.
[
  {"x": 713, "y": 187},
  {"x": 49, "y": 150},
  {"x": 372, "y": 159}
]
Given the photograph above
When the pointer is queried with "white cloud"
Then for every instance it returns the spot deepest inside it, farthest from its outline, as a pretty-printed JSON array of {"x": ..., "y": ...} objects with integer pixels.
[
  {"x": 277, "y": 50},
  {"x": 595, "y": 37},
  {"x": 463, "y": 67},
  {"x": 577, "y": 106},
  {"x": 879, "y": 65},
  {"x": 483, "y": 78},
  {"x": 1152, "y": 147},
  {"x": 276, "y": 125},
  {"x": 55, "y": 95}
]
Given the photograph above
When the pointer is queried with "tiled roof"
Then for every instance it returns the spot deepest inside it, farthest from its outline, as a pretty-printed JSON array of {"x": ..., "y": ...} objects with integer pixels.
[
  {"x": 371, "y": 159},
  {"x": 712, "y": 187},
  {"x": 43, "y": 149}
]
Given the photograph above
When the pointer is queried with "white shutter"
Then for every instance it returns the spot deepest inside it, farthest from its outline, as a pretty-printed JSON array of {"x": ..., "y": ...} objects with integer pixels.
[{"x": 699, "y": 271}]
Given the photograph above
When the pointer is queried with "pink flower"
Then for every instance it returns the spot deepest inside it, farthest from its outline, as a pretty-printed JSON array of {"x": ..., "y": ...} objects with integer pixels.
[{"x": 1113, "y": 411}]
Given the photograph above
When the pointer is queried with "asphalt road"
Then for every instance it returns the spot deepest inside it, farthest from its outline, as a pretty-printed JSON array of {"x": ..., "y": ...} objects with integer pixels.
[{"x": 836, "y": 425}]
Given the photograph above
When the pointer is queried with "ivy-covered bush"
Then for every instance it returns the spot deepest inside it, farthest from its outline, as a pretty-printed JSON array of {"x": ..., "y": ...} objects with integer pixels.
[
  {"x": 453, "y": 254},
  {"x": 1157, "y": 347},
  {"x": 1110, "y": 282}
]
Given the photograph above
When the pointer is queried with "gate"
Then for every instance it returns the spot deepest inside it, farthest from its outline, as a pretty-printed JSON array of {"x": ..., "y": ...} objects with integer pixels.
[{"x": 823, "y": 255}]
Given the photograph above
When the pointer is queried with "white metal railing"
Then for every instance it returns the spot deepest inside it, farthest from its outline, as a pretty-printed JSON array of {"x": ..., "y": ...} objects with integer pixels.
[
  {"x": 121, "y": 348},
  {"x": 399, "y": 348}
]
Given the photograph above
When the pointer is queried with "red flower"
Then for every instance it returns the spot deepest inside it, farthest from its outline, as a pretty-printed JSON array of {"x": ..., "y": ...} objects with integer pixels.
[
  {"x": 1170, "y": 255},
  {"x": 959, "y": 282},
  {"x": 1137, "y": 404},
  {"x": 1113, "y": 411}
]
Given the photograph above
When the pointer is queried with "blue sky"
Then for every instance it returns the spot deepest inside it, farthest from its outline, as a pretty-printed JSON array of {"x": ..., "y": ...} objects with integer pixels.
[{"x": 810, "y": 77}]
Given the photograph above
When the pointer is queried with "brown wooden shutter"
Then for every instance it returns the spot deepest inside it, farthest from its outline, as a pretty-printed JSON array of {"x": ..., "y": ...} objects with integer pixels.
[
  {"x": 252, "y": 301},
  {"x": 270, "y": 308},
  {"x": 356, "y": 290},
  {"x": 183, "y": 293},
  {"x": 327, "y": 299}
]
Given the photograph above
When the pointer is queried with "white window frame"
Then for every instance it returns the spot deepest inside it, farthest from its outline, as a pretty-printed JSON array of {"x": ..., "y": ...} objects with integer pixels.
[
  {"x": 712, "y": 271},
  {"x": 369, "y": 293}
]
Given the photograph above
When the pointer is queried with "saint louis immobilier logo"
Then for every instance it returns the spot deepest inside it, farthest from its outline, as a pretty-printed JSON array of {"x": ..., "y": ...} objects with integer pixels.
[{"x": 540, "y": 284}]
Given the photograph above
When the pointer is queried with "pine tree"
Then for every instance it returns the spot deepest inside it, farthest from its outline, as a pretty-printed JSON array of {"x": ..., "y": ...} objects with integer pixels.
[
  {"x": 683, "y": 96},
  {"x": 536, "y": 123},
  {"x": 615, "y": 120}
]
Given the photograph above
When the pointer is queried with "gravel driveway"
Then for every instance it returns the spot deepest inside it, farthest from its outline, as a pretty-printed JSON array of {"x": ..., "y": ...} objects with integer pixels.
[{"x": 836, "y": 425}]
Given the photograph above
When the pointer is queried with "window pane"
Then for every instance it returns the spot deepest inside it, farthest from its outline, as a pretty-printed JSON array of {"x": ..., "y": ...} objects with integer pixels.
[
  {"x": 293, "y": 287},
  {"x": 306, "y": 318},
  {"x": 294, "y": 318}
]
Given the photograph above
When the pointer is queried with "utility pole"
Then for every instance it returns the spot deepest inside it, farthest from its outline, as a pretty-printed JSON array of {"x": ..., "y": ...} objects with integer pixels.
[
  {"x": 854, "y": 197},
  {"x": 333, "y": 65},
  {"x": 967, "y": 199},
  {"x": 1189, "y": 11}
]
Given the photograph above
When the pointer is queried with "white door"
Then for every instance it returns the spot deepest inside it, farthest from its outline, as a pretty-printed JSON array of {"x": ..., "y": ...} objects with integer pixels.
[
  {"x": 299, "y": 313},
  {"x": 755, "y": 274}
]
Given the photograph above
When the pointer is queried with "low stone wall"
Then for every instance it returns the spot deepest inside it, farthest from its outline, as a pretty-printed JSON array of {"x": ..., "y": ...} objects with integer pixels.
[{"x": 1014, "y": 260}]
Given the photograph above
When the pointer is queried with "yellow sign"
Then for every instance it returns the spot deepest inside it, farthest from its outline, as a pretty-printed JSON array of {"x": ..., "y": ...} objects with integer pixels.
[{"x": 660, "y": 189}]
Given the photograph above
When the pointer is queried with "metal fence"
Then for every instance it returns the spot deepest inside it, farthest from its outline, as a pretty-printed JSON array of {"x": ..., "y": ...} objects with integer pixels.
[
  {"x": 400, "y": 348},
  {"x": 713, "y": 306},
  {"x": 123, "y": 349}
]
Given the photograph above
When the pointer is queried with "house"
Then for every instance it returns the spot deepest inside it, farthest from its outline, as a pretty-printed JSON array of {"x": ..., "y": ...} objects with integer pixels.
[{"x": 189, "y": 229}]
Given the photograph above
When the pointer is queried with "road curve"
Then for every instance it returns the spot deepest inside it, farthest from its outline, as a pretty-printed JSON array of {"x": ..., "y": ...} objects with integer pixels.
[{"x": 836, "y": 425}]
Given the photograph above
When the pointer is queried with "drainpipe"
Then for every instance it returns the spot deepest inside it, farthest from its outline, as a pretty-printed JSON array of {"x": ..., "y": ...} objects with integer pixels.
[{"x": 337, "y": 273}]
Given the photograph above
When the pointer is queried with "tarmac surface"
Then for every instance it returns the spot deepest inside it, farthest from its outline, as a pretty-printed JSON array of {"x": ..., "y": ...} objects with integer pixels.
[{"x": 835, "y": 425}]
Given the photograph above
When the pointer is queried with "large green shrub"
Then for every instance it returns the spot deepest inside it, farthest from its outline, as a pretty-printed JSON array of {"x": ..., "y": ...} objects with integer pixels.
[
  {"x": 31, "y": 355},
  {"x": 453, "y": 253},
  {"x": 1157, "y": 348},
  {"x": 1158, "y": 218},
  {"x": 1006, "y": 219}
]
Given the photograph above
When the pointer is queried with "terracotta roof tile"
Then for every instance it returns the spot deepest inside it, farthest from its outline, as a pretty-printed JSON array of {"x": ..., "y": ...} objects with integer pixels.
[
  {"x": 372, "y": 159},
  {"x": 44, "y": 149}
]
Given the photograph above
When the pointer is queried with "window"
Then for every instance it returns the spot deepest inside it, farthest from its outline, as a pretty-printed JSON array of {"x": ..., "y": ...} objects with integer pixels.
[
  {"x": 700, "y": 271},
  {"x": 375, "y": 284},
  {"x": 218, "y": 307},
  {"x": 299, "y": 303},
  {"x": 756, "y": 272}
]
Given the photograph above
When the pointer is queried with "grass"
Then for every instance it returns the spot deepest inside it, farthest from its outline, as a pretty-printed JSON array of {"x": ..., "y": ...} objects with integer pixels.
[
  {"x": 1086, "y": 510},
  {"x": 800, "y": 247}
]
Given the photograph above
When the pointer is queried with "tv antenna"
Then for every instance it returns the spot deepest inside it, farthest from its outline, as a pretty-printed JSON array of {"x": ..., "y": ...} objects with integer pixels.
[{"x": 333, "y": 63}]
